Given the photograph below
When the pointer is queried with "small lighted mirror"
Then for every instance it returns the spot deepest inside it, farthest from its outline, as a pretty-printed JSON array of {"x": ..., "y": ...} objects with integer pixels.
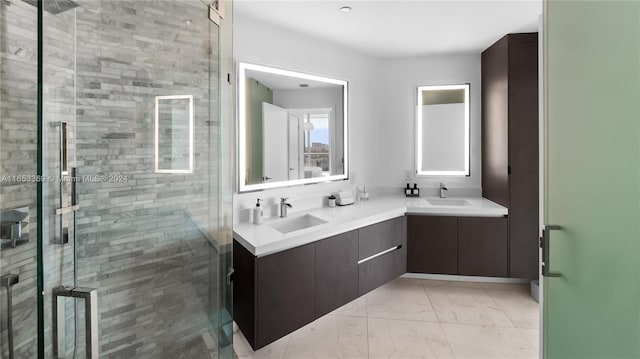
[
  {"x": 442, "y": 130},
  {"x": 292, "y": 128},
  {"x": 174, "y": 134}
]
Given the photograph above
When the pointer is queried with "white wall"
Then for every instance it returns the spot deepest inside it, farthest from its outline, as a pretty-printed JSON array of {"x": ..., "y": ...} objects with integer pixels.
[
  {"x": 258, "y": 42},
  {"x": 382, "y": 106},
  {"x": 398, "y": 82}
]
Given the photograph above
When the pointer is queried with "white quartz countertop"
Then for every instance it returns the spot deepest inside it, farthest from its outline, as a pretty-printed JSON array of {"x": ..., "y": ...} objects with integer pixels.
[{"x": 263, "y": 239}]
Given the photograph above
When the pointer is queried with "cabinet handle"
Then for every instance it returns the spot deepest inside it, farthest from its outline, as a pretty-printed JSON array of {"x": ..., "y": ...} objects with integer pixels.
[
  {"x": 379, "y": 254},
  {"x": 544, "y": 244}
]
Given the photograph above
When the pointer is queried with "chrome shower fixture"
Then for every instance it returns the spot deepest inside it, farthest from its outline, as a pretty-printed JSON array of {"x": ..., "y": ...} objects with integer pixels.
[{"x": 54, "y": 6}]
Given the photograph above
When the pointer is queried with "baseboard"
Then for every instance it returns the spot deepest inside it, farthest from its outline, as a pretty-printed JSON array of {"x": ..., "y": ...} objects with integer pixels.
[{"x": 465, "y": 278}]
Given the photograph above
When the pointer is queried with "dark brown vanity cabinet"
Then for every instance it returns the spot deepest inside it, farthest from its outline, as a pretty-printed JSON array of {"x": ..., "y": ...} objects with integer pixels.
[
  {"x": 432, "y": 244},
  {"x": 336, "y": 272},
  {"x": 381, "y": 253},
  {"x": 510, "y": 143},
  {"x": 274, "y": 295},
  {"x": 482, "y": 246},
  {"x": 457, "y": 245},
  {"x": 286, "y": 292}
]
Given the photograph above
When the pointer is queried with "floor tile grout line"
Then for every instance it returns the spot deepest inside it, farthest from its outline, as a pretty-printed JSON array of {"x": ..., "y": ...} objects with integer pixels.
[
  {"x": 286, "y": 347},
  {"x": 498, "y": 306},
  {"x": 405, "y": 319},
  {"x": 527, "y": 340},
  {"x": 502, "y": 308},
  {"x": 447, "y": 339},
  {"x": 366, "y": 313}
]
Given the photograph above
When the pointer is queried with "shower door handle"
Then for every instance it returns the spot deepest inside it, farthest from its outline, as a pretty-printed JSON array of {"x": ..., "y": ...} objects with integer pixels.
[
  {"x": 8, "y": 281},
  {"x": 67, "y": 174},
  {"x": 544, "y": 244},
  {"x": 90, "y": 297}
]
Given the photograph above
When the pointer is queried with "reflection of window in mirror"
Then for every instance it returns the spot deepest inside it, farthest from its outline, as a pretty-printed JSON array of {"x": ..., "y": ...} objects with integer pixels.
[
  {"x": 442, "y": 130},
  {"x": 317, "y": 144}
]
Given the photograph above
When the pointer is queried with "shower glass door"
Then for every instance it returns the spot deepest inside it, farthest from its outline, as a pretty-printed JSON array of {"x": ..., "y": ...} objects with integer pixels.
[{"x": 136, "y": 180}]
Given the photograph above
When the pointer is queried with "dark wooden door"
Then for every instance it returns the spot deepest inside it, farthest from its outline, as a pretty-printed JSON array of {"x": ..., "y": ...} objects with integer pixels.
[
  {"x": 482, "y": 246},
  {"x": 336, "y": 272},
  {"x": 285, "y": 293},
  {"x": 432, "y": 244},
  {"x": 495, "y": 122},
  {"x": 523, "y": 155}
]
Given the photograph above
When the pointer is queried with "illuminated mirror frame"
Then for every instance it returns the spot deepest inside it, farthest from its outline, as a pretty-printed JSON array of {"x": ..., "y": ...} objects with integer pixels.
[
  {"x": 419, "y": 145},
  {"x": 242, "y": 133},
  {"x": 157, "y": 133}
]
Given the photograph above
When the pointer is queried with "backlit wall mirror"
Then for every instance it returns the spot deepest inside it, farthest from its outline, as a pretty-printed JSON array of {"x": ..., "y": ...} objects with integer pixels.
[
  {"x": 174, "y": 134},
  {"x": 292, "y": 128},
  {"x": 442, "y": 130}
]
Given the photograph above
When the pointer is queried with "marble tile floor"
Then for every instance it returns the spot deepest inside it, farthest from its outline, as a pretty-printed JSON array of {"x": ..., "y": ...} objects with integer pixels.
[{"x": 417, "y": 319}]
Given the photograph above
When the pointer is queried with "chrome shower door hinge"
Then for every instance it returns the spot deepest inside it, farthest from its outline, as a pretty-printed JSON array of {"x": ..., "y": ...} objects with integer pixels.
[{"x": 216, "y": 12}]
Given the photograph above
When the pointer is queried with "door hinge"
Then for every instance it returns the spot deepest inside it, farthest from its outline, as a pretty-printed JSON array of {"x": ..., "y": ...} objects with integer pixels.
[
  {"x": 216, "y": 12},
  {"x": 229, "y": 79}
]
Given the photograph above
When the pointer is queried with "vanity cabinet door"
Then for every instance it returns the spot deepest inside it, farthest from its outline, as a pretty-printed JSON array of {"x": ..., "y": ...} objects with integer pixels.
[
  {"x": 432, "y": 244},
  {"x": 336, "y": 271},
  {"x": 482, "y": 246},
  {"x": 285, "y": 293},
  {"x": 379, "y": 237}
]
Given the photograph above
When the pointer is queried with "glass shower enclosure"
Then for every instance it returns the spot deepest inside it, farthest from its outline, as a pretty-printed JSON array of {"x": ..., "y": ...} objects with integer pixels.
[{"x": 116, "y": 159}]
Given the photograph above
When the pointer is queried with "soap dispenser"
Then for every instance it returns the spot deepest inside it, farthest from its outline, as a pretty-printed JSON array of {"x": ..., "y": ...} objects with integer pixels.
[
  {"x": 407, "y": 191},
  {"x": 257, "y": 213},
  {"x": 415, "y": 191}
]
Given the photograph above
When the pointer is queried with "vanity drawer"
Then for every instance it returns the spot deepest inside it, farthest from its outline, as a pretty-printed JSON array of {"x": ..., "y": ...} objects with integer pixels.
[
  {"x": 379, "y": 237},
  {"x": 380, "y": 270}
]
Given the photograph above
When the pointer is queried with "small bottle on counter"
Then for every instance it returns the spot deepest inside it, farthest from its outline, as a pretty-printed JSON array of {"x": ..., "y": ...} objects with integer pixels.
[
  {"x": 364, "y": 195},
  {"x": 415, "y": 191},
  {"x": 332, "y": 201},
  {"x": 257, "y": 213},
  {"x": 407, "y": 191}
]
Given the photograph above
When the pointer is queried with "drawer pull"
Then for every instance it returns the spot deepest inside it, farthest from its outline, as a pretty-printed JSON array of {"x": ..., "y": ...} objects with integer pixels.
[{"x": 379, "y": 254}]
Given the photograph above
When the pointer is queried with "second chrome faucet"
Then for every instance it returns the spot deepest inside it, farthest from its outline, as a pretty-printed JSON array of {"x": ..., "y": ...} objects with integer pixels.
[
  {"x": 283, "y": 206},
  {"x": 443, "y": 190}
]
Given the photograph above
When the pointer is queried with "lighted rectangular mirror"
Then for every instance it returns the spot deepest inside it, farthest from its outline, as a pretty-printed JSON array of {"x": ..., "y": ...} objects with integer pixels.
[
  {"x": 292, "y": 128},
  {"x": 442, "y": 130},
  {"x": 174, "y": 134}
]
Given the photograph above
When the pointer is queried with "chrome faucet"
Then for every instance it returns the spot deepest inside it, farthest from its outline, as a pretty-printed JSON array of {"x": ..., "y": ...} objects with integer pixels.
[
  {"x": 443, "y": 190},
  {"x": 283, "y": 206}
]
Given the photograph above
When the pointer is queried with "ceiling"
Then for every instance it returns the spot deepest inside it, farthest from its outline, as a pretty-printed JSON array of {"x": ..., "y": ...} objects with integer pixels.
[{"x": 399, "y": 28}]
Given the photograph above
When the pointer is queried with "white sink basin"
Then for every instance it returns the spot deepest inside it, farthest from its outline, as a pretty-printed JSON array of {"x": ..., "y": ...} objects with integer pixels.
[
  {"x": 297, "y": 223},
  {"x": 449, "y": 202}
]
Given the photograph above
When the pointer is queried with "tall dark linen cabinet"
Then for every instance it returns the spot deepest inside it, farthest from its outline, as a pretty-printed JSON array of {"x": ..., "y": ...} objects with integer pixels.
[{"x": 510, "y": 143}]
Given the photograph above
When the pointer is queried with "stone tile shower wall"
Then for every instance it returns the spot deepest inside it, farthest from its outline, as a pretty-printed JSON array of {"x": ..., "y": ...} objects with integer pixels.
[
  {"x": 145, "y": 240},
  {"x": 18, "y": 131}
]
